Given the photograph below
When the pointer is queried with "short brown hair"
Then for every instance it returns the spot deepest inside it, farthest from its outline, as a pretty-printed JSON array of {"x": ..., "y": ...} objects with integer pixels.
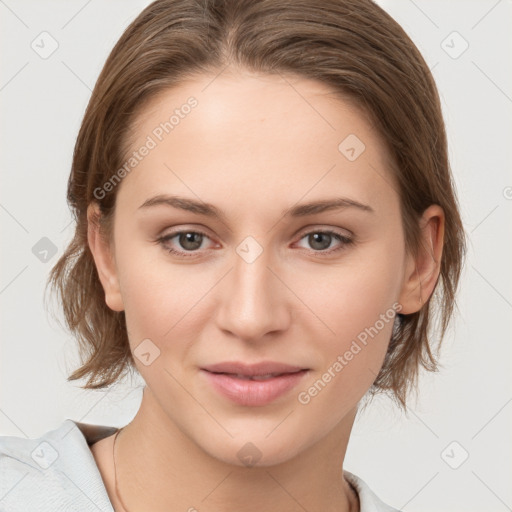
[{"x": 354, "y": 47}]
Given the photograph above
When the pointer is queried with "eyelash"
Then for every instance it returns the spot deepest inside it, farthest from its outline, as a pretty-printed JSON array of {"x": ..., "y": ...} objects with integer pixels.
[{"x": 188, "y": 254}]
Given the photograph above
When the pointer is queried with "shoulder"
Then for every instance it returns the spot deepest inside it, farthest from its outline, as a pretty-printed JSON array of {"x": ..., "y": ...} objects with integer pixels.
[
  {"x": 55, "y": 471},
  {"x": 368, "y": 500}
]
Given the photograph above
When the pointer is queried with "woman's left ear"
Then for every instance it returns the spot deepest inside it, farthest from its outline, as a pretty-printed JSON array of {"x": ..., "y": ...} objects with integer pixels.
[{"x": 422, "y": 270}]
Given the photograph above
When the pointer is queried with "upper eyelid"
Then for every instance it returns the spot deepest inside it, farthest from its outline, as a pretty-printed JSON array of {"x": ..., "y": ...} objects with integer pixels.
[
  {"x": 314, "y": 229},
  {"x": 300, "y": 234},
  {"x": 304, "y": 231}
]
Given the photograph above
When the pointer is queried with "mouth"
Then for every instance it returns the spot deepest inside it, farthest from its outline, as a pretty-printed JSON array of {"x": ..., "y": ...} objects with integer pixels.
[
  {"x": 253, "y": 385},
  {"x": 265, "y": 369},
  {"x": 256, "y": 377}
]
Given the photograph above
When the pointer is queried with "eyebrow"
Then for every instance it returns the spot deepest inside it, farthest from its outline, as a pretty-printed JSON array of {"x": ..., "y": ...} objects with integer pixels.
[{"x": 209, "y": 210}]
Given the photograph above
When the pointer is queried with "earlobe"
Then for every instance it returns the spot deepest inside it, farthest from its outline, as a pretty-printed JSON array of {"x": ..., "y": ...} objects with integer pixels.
[
  {"x": 104, "y": 260},
  {"x": 422, "y": 271}
]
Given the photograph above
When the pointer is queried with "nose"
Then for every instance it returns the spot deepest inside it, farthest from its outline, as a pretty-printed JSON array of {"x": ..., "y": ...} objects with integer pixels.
[{"x": 254, "y": 301}]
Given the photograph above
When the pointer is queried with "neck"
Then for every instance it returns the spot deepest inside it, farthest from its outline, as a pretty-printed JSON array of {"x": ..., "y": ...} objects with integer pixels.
[{"x": 160, "y": 468}]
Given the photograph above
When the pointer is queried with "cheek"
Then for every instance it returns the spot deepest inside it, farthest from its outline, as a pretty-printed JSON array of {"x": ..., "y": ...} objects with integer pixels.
[
  {"x": 353, "y": 295},
  {"x": 358, "y": 304},
  {"x": 159, "y": 297},
  {"x": 352, "y": 361}
]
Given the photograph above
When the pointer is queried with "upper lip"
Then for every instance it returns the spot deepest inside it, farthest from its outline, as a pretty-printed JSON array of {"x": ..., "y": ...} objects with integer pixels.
[{"x": 250, "y": 370}]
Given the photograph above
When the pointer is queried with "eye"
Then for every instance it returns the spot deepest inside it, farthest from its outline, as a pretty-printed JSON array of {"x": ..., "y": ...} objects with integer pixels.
[
  {"x": 191, "y": 241},
  {"x": 320, "y": 241}
]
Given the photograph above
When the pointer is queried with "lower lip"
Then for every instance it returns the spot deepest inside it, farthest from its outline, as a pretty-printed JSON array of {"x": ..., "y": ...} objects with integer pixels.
[{"x": 253, "y": 392}]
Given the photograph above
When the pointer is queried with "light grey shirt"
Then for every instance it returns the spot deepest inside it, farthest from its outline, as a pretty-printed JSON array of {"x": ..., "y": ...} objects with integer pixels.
[{"x": 57, "y": 472}]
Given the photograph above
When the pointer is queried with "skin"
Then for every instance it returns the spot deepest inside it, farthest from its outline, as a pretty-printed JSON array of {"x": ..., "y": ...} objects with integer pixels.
[{"x": 254, "y": 145}]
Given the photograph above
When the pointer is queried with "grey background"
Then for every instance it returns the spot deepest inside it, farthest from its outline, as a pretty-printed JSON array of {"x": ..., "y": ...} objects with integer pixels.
[{"x": 403, "y": 459}]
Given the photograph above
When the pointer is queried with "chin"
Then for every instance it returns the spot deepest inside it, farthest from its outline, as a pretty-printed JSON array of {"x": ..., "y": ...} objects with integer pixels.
[{"x": 259, "y": 453}]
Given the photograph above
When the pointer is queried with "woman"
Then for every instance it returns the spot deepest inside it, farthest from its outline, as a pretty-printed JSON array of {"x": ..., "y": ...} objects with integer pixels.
[{"x": 264, "y": 212}]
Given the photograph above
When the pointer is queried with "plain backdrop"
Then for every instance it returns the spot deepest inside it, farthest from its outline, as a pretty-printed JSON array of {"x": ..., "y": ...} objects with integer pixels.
[{"x": 463, "y": 411}]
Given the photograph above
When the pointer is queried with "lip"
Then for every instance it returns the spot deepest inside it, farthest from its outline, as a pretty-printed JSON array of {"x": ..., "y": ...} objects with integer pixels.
[
  {"x": 250, "y": 370},
  {"x": 231, "y": 379}
]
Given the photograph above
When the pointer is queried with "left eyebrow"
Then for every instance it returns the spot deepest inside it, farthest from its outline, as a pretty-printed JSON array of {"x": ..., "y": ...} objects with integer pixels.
[
  {"x": 209, "y": 210},
  {"x": 314, "y": 207}
]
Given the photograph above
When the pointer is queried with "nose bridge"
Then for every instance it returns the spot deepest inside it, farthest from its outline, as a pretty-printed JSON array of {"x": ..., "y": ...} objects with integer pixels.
[
  {"x": 254, "y": 302},
  {"x": 251, "y": 264}
]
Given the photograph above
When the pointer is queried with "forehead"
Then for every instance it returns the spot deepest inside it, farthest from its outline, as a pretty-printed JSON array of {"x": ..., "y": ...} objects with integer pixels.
[{"x": 248, "y": 136}]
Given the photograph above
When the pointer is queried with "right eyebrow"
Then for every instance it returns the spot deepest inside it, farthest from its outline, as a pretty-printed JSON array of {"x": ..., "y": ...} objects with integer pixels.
[{"x": 301, "y": 210}]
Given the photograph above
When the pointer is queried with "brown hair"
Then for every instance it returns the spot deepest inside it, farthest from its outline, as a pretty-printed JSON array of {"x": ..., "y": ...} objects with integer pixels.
[{"x": 354, "y": 47}]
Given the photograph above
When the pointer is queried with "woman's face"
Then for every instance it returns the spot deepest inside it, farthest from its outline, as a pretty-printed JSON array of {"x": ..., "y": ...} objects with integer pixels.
[{"x": 315, "y": 288}]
